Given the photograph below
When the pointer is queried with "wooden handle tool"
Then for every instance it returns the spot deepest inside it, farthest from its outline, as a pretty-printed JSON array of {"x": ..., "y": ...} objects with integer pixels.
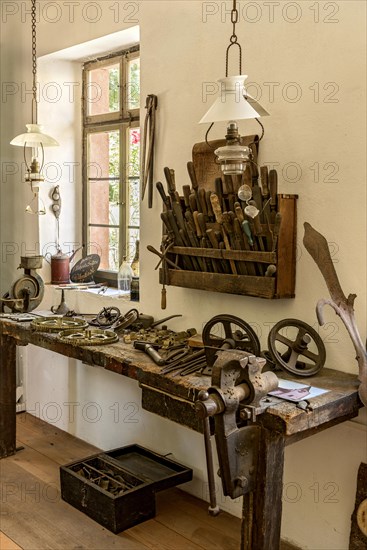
[
  {"x": 193, "y": 203},
  {"x": 209, "y": 263},
  {"x": 192, "y": 175},
  {"x": 202, "y": 201},
  {"x": 239, "y": 212},
  {"x": 165, "y": 198},
  {"x": 209, "y": 205},
  {"x": 265, "y": 182},
  {"x": 197, "y": 226},
  {"x": 219, "y": 192},
  {"x": 214, "y": 199},
  {"x": 215, "y": 244},
  {"x": 273, "y": 188},
  {"x": 196, "y": 244},
  {"x": 170, "y": 183},
  {"x": 186, "y": 241},
  {"x": 186, "y": 194},
  {"x": 170, "y": 222},
  {"x": 276, "y": 229},
  {"x": 250, "y": 266},
  {"x": 247, "y": 231},
  {"x": 202, "y": 223},
  {"x": 270, "y": 271}
]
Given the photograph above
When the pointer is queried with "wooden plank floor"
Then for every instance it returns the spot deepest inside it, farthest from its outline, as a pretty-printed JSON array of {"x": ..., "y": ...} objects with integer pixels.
[{"x": 33, "y": 516}]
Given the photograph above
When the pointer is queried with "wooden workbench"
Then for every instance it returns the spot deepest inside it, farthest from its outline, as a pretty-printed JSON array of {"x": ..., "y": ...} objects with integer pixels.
[{"x": 174, "y": 398}]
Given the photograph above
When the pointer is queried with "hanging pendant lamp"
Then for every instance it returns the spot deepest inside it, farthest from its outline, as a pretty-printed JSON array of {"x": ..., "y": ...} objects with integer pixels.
[
  {"x": 233, "y": 104},
  {"x": 34, "y": 138}
]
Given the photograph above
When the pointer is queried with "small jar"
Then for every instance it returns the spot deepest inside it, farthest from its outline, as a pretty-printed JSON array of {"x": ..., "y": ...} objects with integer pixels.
[{"x": 134, "y": 289}]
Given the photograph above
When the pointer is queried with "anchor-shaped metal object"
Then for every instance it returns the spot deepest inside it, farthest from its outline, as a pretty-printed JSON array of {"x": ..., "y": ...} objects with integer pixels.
[{"x": 317, "y": 246}]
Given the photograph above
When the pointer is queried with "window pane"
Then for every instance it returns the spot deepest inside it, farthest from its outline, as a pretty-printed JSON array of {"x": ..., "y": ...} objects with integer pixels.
[
  {"x": 133, "y": 84},
  {"x": 133, "y": 177},
  {"x": 133, "y": 235},
  {"x": 103, "y": 205},
  {"x": 105, "y": 241},
  {"x": 133, "y": 191},
  {"x": 103, "y": 90},
  {"x": 104, "y": 155}
]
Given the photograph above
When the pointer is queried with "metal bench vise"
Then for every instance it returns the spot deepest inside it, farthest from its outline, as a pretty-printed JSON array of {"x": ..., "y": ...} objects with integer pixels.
[{"x": 233, "y": 400}]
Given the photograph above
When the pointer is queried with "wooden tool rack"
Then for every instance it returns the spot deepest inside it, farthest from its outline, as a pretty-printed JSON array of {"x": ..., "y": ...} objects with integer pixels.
[
  {"x": 174, "y": 399},
  {"x": 282, "y": 285},
  {"x": 253, "y": 282}
]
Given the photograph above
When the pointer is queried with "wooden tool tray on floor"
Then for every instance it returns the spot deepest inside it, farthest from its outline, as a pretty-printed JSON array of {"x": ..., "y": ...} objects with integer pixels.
[{"x": 281, "y": 285}]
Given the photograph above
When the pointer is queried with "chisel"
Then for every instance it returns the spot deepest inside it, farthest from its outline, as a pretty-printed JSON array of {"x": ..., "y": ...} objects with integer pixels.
[
  {"x": 204, "y": 242},
  {"x": 193, "y": 203},
  {"x": 170, "y": 184},
  {"x": 276, "y": 229},
  {"x": 195, "y": 243},
  {"x": 209, "y": 262},
  {"x": 250, "y": 266},
  {"x": 197, "y": 226},
  {"x": 190, "y": 221},
  {"x": 229, "y": 186},
  {"x": 186, "y": 241},
  {"x": 273, "y": 188},
  {"x": 258, "y": 229},
  {"x": 215, "y": 244},
  {"x": 250, "y": 232},
  {"x": 238, "y": 242},
  {"x": 202, "y": 201},
  {"x": 219, "y": 219},
  {"x": 186, "y": 194},
  {"x": 265, "y": 182},
  {"x": 219, "y": 192},
  {"x": 209, "y": 206},
  {"x": 192, "y": 176},
  {"x": 165, "y": 198}
]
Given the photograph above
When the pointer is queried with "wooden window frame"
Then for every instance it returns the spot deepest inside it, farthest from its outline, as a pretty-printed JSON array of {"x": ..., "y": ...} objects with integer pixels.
[{"x": 122, "y": 120}]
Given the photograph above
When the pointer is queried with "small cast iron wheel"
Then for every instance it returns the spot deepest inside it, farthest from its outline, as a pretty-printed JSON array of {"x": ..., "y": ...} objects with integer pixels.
[
  {"x": 25, "y": 285},
  {"x": 107, "y": 316},
  {"x": 125, "y": 321},
  {"x": 302, "y": 354},
  {"x": 230, "y": 330}
]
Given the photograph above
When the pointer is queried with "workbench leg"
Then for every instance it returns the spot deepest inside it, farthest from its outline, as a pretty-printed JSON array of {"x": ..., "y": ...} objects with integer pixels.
[
  {"x": 7, "y": 395},
  {"x": 266, "y": 509}
]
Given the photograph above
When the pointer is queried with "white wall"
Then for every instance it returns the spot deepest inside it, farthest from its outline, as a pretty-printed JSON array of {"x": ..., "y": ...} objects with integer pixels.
[{"x": 180, "y": 53}]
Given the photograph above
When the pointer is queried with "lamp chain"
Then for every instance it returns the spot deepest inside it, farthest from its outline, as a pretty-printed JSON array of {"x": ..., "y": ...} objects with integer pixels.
[
  {"x": 34, "y": 63},
  {"x": 234, "y": 38}
]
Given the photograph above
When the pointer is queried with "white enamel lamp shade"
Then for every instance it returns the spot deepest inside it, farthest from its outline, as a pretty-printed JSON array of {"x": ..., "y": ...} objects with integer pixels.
[
  {"x": 234, "y": 103},
  {"x": 34, "y": 137}
]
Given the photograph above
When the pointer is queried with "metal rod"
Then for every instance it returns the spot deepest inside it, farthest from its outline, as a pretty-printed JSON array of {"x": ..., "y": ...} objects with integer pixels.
[{"x": 213, "y": 508}]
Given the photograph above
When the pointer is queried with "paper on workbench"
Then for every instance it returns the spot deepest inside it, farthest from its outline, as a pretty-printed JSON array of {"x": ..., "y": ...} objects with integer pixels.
[{"x": 296, "y": 392}]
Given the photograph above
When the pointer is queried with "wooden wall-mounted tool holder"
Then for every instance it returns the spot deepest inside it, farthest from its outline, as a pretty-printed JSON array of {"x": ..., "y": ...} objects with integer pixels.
[{"x": 210, "y": 248}]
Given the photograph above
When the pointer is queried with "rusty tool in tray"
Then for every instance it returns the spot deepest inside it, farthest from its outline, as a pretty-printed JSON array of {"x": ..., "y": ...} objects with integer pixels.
[
  {"x": 273, "y": 188},
  {"x": 219, "y": 219}
]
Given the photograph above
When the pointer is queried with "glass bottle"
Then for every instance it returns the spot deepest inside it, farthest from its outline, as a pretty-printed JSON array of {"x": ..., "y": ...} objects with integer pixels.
[
  {"x": 135, "y": 262},
  {"x": 124, "y": 276}
]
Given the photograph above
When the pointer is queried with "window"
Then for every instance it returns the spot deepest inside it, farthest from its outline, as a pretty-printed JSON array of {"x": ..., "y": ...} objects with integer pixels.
[{"x": 111, "y": 159}]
